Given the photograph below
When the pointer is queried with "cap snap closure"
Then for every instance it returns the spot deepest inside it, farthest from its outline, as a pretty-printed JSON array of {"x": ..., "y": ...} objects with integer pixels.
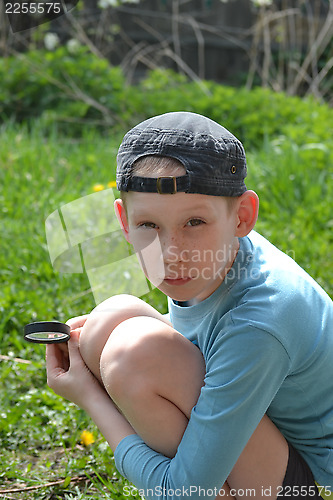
[{"x": 166, "y": 185}]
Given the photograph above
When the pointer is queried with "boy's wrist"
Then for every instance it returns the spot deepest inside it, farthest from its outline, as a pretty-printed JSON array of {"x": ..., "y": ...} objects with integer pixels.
[{"x": 94, "y": 398}]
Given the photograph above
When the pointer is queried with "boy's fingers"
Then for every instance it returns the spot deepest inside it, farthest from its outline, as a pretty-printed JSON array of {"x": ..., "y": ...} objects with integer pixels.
[
  {"x": 75, "y": 335},
  {"x": 73, "y": 349},
  {"x": 63, "y": 346},
  {"x": 77, "y": 322},
  {"x": 58, "y": 362},
  {"x": 54, "y": 360},
  {"x": 51, "y": 358},
  {"x": 76, "y": 330}
]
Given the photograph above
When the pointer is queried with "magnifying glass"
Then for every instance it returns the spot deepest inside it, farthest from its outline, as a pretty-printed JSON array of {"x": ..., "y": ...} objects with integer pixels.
[{"x": 47, "y": 332}]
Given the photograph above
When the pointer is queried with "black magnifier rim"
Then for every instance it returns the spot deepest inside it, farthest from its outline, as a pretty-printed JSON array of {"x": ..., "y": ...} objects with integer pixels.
[{"x": 49, "y": 327}]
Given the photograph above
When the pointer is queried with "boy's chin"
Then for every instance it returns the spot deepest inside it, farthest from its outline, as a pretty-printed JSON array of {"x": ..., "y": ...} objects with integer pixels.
[
  {"x": 192, "y": 291},
  {"x": 177, "y": 292}
]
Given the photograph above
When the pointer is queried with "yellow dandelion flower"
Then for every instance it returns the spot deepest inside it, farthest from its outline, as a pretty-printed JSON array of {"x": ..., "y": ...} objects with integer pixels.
[
  {"x": 98, "y": 187},
  {"x": 87, "y": 438},
  {"x": 112, "y": 184}
]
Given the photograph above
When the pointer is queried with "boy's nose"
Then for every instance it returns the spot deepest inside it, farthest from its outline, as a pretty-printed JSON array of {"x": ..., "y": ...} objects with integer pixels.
[{"x": 173, "y": 249}]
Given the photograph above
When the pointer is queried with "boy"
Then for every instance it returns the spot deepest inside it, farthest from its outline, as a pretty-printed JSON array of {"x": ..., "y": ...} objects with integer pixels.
[{"x": 233, "y": 396}]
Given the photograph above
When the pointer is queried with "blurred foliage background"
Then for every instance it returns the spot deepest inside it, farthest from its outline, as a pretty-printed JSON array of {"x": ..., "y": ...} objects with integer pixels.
[{"x": 69, "y": 90}]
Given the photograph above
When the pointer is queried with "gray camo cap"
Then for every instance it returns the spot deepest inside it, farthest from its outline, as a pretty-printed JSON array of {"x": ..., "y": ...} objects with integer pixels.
[{"x": 214, "y": 158}]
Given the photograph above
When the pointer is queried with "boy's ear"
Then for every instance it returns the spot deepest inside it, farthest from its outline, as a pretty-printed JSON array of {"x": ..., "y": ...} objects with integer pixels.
[
  {"x": 122, "y": 217},
  {"x": 247, "y": 213}
]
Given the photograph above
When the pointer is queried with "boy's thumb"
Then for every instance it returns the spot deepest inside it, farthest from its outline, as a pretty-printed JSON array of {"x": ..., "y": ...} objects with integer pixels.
[
  {"x": 75, "y": 335},
  {"x": 73, "y": 345}
]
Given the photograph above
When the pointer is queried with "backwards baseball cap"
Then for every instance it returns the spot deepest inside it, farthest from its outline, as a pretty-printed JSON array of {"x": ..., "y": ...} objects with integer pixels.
[{"x": 213, "y": 158}]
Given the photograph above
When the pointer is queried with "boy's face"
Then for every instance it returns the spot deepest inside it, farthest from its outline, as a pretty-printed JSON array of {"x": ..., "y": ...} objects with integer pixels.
[{"x": 186, "y": 242}]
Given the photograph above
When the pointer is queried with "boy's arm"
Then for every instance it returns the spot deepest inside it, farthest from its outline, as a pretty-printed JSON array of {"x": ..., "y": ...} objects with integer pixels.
[
  {"x": 71, "y": 379},
  {"x": 212, "y": 441},
  {"x": 242, "y": 378}
]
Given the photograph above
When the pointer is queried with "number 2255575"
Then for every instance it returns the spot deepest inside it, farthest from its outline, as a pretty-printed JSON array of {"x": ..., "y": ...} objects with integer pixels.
[{"x": 33, "y": 8}]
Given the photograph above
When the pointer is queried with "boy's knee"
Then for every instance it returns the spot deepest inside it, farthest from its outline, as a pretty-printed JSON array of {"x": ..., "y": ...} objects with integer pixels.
[
  {"x": 131, "y": 357},
  {"x": 145, "y": 355},
  {"x": 102, "y": 321}
]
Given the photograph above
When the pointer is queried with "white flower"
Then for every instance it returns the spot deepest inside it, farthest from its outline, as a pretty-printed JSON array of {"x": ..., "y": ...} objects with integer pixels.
[
  {"x": 51, "y": 40},
  {"x": 104, "y": 4},
  {"x": 262, "y": 3},
  {"x": 73, "y": 46}
]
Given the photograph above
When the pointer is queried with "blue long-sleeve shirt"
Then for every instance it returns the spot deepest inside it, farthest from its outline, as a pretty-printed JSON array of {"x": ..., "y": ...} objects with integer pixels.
[{"x": 267, "y": 338}]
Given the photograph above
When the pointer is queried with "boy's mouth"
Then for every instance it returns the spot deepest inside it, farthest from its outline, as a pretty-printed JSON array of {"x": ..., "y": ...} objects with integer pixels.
[{"x": 177, "y": 281}]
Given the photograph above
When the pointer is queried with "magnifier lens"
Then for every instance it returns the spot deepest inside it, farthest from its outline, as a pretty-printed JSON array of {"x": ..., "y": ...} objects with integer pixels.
[
  {"x": 47, "y": 336},
  {"x": 47, "y": 332}
]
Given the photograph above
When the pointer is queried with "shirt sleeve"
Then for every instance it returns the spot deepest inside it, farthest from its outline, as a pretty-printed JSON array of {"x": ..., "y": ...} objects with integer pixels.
[{"x": 244, "y": 370}]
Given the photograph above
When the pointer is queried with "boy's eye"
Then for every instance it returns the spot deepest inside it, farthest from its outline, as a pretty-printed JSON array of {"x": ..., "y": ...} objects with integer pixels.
[
  {"x": 149, "y": 225},
  {"x": 194, "y": 222}
]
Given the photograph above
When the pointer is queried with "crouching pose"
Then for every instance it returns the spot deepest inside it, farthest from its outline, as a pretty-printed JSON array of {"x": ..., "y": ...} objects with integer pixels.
[{"x": 231, "y": 393}]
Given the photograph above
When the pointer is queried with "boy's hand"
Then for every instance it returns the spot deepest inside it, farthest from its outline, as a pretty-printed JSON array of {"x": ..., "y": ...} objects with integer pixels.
[
  {"x": 76, "y": 324},
  {"x": 68, "y": 375}
]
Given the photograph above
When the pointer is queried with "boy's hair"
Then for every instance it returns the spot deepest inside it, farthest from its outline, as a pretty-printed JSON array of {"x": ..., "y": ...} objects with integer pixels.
[{"x": 164, "y": 165}]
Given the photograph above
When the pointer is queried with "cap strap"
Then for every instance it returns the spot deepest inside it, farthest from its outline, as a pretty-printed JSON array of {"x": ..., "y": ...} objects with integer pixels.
[{"x": 161, "y": 185}]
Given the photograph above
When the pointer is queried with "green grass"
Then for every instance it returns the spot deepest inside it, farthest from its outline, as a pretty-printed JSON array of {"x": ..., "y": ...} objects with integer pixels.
[{"x": 40, "y": 432}]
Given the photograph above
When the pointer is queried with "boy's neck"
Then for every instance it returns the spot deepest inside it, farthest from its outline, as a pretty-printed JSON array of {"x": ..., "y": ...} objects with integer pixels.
[{"x": 186, "y": 303}]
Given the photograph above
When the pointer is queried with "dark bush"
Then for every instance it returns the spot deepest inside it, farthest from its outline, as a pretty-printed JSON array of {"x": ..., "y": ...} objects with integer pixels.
[{"x": 73, "y": 91}]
